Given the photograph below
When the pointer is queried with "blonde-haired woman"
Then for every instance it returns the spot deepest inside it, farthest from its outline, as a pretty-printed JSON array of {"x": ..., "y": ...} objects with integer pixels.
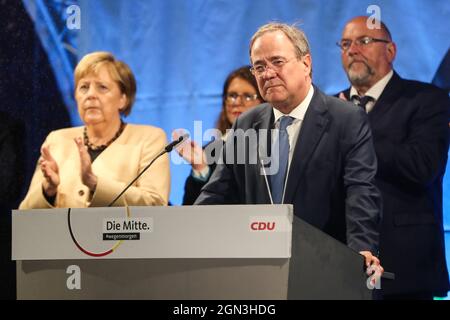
[{"x": 90, "y": 165}]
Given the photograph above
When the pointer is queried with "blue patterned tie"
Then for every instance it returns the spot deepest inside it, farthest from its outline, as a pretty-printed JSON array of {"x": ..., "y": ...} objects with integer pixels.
[{"x": 277, "y": 180}]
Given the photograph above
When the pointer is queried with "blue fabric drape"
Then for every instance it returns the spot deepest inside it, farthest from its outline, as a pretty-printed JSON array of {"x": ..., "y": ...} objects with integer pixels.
[{"x": 181, "y": 51}]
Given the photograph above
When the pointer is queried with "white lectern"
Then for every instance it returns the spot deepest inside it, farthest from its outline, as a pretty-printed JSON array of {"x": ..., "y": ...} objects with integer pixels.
[{"x": 192, "y": 252}]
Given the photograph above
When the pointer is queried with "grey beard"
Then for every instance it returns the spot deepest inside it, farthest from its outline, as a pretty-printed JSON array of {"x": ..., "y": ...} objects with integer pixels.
[{"x": 362, "y": 78}]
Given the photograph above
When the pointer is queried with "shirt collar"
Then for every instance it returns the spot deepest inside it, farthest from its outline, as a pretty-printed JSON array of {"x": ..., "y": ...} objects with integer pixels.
[
  {"x": 299, "y": 111},
  {"x": 377, "y": 89}
]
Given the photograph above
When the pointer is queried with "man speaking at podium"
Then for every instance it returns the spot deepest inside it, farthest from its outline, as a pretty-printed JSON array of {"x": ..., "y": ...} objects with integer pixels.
[{"x": 322, "y": 161}]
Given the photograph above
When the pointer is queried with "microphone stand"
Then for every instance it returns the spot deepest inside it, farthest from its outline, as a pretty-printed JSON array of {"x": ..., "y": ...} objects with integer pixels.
[{"x": 166, "y": 149}]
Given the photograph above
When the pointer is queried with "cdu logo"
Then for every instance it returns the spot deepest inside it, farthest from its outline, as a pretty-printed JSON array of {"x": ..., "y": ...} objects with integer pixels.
[
  {"x": 262, "y": 226},
  {"x": 265, "y": 223}
]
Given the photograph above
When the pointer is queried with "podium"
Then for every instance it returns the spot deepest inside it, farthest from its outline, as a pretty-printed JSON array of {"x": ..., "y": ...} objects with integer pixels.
[{"x": 186, "y": 252}]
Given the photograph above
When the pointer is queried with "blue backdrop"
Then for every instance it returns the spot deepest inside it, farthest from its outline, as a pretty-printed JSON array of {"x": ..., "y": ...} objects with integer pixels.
[{"x": 181, "y": 51}]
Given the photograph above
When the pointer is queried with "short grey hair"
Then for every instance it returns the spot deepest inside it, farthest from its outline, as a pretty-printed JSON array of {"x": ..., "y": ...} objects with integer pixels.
[{"x": 294, "y": 34}]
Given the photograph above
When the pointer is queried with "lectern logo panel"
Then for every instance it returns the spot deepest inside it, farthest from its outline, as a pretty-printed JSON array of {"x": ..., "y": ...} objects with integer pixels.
[
  {"x": 268, "y": 224},
  {"x": 113, "y": 229},
  {"x": 126, "y": 228}
]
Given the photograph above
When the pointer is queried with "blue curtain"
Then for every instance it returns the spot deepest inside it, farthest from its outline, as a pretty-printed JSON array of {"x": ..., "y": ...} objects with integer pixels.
[{"x": 181, "y": 51}]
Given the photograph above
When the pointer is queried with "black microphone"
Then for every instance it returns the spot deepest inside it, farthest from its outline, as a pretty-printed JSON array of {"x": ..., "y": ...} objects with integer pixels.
[
  {"x": 174, "y": 143},
  {"x": 166, "y": 149}
]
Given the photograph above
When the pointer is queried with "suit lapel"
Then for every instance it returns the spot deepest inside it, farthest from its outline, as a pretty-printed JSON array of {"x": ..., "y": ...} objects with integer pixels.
[
  {"x": 346, "y": 94},
  {"x": 387, "y": 98},
  {"x": 313, "y": 126}
]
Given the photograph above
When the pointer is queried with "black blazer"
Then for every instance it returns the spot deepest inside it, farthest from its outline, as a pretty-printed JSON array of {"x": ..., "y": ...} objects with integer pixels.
[
  {"x": 411, "y": 135},
  {"x": 193, "y": 187},
  {"x": 330, "y": 180}
]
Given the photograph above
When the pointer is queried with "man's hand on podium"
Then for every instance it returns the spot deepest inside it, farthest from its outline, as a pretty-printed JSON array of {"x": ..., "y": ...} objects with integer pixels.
[{"x": 373, "y": 267}]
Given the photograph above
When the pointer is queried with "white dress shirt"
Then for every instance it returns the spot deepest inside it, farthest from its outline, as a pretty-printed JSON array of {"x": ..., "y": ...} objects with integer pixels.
[
  {"x": 375, "y": 91},
  {"x": 294, "y": 129}
]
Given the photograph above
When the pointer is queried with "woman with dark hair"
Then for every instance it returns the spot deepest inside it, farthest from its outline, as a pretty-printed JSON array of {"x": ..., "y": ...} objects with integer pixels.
[
  {"x": 240, "y": 93},
  {"x": 238, "y": 80}
]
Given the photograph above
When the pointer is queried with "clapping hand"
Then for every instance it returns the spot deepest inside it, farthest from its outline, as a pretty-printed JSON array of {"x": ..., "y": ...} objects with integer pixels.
[{"x": 50, "y": 170}]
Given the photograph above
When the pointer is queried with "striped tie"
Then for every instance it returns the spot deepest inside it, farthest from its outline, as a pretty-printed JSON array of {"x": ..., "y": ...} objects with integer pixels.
[{"x": 362, "y": 101}]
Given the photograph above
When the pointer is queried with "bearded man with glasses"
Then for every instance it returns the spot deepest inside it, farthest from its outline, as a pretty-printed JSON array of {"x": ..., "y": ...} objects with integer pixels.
[{"x": 409, "y": 121}]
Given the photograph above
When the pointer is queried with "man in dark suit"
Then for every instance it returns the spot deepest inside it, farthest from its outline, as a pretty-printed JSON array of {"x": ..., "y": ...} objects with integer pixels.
[
  {"x": 409, "y": 122},
  {"x": 328, "y": 167}
]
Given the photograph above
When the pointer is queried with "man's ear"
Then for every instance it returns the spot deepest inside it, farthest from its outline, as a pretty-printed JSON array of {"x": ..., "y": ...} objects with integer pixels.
[
  {"x": 124, "y": 101},
  {"x": 391, "y": 51},
  {"x": 307, "y": 61}
]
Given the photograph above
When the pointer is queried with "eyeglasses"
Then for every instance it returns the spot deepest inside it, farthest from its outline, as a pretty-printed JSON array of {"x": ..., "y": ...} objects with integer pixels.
[
  {"x": 276, "y": 65},
  {"x": 345, "y": 44},
  {"x": 232, "y": 97}
]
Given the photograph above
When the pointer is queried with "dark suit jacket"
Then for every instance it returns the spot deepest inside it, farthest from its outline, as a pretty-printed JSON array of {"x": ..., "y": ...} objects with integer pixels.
[
  {"x": 192, "y": 188},
  {"x": 410, "y": 131},
  {"x": 330, "y": 180}
]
